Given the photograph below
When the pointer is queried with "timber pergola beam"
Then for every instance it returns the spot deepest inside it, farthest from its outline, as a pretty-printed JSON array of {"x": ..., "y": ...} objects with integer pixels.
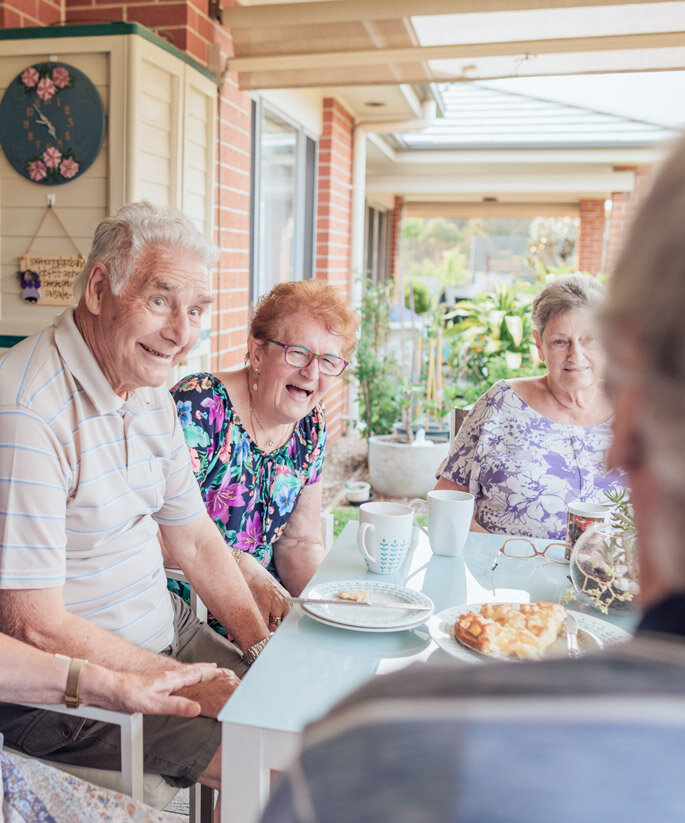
[
  {"x": 470, "y": 51},
  {"x": 352, "y": 11}
]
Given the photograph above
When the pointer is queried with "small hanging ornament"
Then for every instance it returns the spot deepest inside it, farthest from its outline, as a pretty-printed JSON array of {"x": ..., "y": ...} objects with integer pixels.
[{"x": 30, "y": 285}]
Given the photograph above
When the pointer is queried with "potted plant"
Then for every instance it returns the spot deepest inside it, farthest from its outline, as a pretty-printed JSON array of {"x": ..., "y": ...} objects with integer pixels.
[
  {"x": 491, "y": 339},
  {"x": 398, "y": 397}
]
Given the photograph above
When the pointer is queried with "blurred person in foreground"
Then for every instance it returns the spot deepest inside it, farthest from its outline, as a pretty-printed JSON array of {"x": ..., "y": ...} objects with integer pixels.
[
  {"x": 31, "y": 790},
  {"x": 257, "y": 435},
  {"x": 93, "y": 470},
  {"x": 597, "y": 739},
  {"x": 532, "y": 445}
]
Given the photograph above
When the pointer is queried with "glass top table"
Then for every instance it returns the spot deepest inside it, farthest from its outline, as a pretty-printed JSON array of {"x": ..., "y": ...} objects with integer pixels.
[{"x": 308, "y": 666}]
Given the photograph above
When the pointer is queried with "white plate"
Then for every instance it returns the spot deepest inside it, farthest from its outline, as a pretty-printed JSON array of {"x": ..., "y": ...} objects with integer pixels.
[
  {"x": 593, "y": 633},
  {"x": 367, "y": 618}
]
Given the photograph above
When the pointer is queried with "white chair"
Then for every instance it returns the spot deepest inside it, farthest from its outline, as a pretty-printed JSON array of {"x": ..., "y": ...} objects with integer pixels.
[
  {"x": 327, "y": 521},
  {"x": 131, "y": 780}
]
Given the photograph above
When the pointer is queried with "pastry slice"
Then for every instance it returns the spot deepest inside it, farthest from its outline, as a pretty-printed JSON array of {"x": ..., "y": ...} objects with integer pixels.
[{"x": 358, "y": 595}]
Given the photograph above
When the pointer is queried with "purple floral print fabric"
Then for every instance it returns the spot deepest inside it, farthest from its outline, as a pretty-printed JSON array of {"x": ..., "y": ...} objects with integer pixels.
[{"x": 524, "y": 469}]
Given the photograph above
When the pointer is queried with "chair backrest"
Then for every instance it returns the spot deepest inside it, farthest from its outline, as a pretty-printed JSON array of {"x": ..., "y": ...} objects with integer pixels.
[
  {"x": 327, "y": 522},
  {"x": 457, "y": 416}
]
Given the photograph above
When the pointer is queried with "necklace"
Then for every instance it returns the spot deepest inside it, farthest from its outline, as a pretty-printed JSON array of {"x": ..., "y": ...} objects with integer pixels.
[{"x": 271, "y": 440}]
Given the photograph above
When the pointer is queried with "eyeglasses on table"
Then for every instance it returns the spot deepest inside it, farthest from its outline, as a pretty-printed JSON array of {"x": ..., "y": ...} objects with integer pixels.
[{"x": 523, "y": 548}]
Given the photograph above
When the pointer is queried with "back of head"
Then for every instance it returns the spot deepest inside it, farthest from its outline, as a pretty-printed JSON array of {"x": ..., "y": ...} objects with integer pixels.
[
  {"x": 317, "y": 298},
  {"x": 120, "y": 241},
  {"x": 645, "y": 334},
  {"x": 568, "y": 292}
]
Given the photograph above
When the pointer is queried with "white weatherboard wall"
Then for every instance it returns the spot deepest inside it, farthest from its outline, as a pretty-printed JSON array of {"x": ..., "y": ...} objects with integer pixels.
[{"x": 159, "y": 145}]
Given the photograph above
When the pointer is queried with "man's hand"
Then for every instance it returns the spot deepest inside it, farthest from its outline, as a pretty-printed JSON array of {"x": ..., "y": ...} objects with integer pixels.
[
  {"x": 212, "y": 694},
  {"x": 266, "y": 590},
  {"x": 153, "y": 693}
]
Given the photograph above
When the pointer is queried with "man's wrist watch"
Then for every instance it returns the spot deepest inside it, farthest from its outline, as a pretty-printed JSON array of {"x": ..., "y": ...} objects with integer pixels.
[
  {"x": 71, "y": 697},
  {"x": 251, "y": 654}
]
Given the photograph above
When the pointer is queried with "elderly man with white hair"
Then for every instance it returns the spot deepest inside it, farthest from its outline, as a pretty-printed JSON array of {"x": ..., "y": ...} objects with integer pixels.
[
  {"x": 93, "y": 469},
  {"x": 595, "y": 739}
]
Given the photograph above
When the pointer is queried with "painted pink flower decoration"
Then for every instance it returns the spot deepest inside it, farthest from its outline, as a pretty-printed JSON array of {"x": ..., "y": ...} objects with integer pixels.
[
  {"x": 46, "y": 89},
  {"x": 51, "y": 157},
  {"x": 69, "y": 168},
  {"x": 60, "y": 77},
  {"x": 29, "y": 77},
  {"x": 37, "y": 170}
]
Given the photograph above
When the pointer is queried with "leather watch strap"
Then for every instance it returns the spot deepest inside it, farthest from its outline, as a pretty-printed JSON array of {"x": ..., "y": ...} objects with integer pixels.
[{"x": 71, "y": 693}]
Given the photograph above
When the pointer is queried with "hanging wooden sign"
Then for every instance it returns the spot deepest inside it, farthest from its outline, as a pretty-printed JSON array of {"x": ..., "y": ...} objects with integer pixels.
[
  {"x": 49, "y": 278},
  {"x": 56, "y": 273}
]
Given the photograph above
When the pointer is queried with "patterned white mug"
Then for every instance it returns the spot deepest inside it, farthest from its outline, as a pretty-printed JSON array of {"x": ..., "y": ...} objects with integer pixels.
[{"x": 384, "y": 535}]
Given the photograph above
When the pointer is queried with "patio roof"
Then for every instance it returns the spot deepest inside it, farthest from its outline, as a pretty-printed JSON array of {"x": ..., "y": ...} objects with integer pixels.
[
  {"x": 356, "y": 42},
  {"x": 493, "y": 150},
  {"x": 477, "y": 115}
]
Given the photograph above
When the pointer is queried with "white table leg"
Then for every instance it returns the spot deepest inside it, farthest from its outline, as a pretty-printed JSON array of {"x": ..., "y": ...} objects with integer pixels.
[{"x": 244, "y": 776}]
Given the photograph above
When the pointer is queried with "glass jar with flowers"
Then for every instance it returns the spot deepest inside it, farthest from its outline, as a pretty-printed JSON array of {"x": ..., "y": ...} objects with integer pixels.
[{"x": 603, "y": 563}]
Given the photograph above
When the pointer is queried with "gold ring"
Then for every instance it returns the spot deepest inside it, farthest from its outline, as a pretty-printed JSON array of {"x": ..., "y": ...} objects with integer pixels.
[{"x": 276, "y": 621}]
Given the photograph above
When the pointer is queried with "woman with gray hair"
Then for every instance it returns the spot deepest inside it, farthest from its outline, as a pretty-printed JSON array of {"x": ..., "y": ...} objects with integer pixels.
[
  {"x": 532, "y": 445},
  {"x": 645, "y": 339}
]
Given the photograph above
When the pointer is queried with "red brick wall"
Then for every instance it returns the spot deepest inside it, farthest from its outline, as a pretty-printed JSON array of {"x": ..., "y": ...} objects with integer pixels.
[
  {"x": 184, "y": 24},
  {"x": 395, "y": 226},
  {"x": 333, "y": 224},
  {"x": 624, "y": 205},
  {"x": 591, "y": 236},
  {"x": 233, "y": 173},
  {"x": 19, "y": 14}
]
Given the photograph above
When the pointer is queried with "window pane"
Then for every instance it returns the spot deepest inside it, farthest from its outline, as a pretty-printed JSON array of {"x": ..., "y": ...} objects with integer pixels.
[{"x": 276, "y": 201}]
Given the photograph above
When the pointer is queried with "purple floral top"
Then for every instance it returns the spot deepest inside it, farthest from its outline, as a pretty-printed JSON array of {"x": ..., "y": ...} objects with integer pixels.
[
  {"x": 248, "y": 493},
  {"x": 523, "y": 468}
]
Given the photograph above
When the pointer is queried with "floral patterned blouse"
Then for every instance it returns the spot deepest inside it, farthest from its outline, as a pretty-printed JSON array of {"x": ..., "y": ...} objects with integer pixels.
[
  {"x": 523, "y": 468},
  {"x": 248, "y": 493}
]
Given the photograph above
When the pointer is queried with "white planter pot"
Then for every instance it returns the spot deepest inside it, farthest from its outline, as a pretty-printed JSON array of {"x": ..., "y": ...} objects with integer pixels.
[{"x": 404, "y": 469}]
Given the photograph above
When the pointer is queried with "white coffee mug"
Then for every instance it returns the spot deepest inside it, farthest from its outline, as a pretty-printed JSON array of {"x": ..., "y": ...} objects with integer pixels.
[
  {"x": 449, "y": 519},
  {"x": 384, "y": 535}
]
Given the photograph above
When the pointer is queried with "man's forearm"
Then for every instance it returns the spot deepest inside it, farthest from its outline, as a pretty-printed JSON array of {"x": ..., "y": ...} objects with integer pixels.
[
  {"x": 77, "y": 637},
  {"x": 200, "y": 552},
  {"x": 223, "y": 589}
]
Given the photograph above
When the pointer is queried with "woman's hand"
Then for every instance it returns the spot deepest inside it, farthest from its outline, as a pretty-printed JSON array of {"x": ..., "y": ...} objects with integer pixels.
[
  {"x": 266, "y": 590},
  {"x": 212, "y": 696}
]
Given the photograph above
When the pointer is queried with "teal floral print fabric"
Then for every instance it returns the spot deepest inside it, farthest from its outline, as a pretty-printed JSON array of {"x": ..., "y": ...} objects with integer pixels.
[{"x": 248, "y": 493}]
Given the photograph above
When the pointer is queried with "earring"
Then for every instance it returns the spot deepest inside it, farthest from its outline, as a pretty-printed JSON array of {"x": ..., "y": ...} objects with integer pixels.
[{"x": 255, "y": 385}]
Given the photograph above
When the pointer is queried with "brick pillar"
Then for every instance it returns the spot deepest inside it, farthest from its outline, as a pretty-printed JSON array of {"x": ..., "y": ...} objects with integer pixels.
[
  {"x": 233, "y": 190},
  {"x": 591, "y": 235},
  {"x": 20, "y": 14},
  {"x": 333, "y": 224},
  {"x": 623, "y": 208},
  {"x": 184, "y": 24},
  {"x": 395, "y": 226}
]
